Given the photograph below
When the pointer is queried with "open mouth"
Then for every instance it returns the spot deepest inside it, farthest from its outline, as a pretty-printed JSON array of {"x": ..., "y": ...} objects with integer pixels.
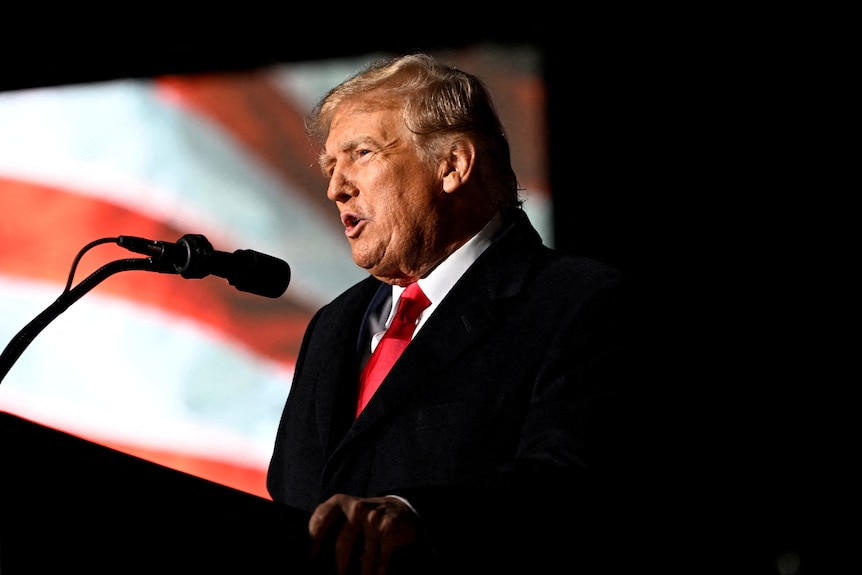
[{"x": 351, "y": 223}]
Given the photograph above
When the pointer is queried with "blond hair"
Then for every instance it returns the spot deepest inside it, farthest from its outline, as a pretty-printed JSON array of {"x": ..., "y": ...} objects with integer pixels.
[{"x": 438, "y": 101}]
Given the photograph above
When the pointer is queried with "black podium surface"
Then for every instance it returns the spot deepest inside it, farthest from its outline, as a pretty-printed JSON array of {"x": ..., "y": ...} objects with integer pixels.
[{"x": 68, "y": 505}]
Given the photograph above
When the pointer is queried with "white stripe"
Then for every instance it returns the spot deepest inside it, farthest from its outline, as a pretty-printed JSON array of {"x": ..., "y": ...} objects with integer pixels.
[
  {"x": 109, "y": 368},
  {"x": 119, "y": 141}
]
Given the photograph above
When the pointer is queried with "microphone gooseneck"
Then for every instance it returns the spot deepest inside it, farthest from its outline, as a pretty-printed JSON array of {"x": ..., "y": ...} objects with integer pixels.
[{"x": 192, "y": 257}]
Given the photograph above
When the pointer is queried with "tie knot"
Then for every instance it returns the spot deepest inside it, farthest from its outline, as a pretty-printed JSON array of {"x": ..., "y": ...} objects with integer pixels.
[
  {"x": 413, "y": 301},
  {"x": 413, "y": 291}
]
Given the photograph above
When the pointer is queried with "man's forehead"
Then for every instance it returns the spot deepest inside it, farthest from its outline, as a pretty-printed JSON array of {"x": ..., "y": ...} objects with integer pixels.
[{"x": 363, "y": 121}]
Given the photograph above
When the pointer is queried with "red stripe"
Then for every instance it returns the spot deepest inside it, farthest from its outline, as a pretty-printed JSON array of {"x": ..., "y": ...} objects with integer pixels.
[
  {"x": 259, "y": 116},
  {"x": 43, "y": 228},
  {"x": 250, "y": 479}
]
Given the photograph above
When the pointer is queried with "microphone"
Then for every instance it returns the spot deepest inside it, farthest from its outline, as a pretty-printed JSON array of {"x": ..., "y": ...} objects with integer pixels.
[{"x": 193, "y": 257}]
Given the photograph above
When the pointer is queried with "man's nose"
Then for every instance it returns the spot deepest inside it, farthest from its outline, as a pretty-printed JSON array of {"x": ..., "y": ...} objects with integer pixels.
[{"x": 340, "y": 187}]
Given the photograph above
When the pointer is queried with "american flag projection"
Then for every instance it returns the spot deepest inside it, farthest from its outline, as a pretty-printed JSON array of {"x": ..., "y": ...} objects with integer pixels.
[{"x": 191, "y": 374}]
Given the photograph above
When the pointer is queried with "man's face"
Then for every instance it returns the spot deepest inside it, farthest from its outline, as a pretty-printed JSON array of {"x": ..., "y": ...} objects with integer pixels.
[{"x": 388, "y": 197}]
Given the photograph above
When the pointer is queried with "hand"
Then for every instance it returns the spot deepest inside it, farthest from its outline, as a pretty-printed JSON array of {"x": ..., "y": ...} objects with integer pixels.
[{"x": 367, "y": 530}]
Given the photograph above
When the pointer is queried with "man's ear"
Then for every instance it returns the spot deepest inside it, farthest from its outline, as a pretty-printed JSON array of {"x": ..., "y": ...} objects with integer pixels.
[{"x": 458, "y": 167}]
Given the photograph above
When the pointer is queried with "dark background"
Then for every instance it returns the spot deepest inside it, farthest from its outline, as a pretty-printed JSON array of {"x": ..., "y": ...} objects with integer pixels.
[
  {"x": 602, "y": 97},
  {"x": 662, "y": 153}
]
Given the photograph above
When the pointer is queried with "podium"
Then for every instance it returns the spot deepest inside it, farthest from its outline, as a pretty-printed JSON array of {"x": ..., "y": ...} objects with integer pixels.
[{"x": 68, "y": 505}]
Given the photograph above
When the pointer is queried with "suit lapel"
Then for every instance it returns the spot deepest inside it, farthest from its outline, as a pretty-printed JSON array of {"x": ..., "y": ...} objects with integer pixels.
[{"x": 336, "y": 382}]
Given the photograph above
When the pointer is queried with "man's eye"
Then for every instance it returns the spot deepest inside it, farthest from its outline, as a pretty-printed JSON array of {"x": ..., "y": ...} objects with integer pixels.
[{"x": 363, "y": 153}]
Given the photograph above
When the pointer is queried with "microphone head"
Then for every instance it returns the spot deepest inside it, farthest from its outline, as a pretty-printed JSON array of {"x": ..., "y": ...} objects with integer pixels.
[{"x": 258, "y": 273}]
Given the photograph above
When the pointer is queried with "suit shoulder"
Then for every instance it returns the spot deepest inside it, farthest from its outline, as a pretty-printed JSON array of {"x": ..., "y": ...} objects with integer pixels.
[
  {"x": 577, "y": 270},
  {"x": 363, "y": 290}
]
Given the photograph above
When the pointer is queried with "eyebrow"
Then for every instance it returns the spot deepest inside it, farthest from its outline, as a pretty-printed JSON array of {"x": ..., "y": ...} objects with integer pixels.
[
  {"x": 354, "y": 143},
  {"x": 326, "y": 160}
]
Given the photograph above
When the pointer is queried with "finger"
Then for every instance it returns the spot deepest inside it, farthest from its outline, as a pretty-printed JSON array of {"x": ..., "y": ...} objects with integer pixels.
[
  {"x": 372, "y": 535},
  {"x": 388, "y": 542},
  {"x": 325, "y": 516},
  {"x": 398, "y": 530},
  {"x": 384, "y": 555},
  {"x": 349, "y": 536}
]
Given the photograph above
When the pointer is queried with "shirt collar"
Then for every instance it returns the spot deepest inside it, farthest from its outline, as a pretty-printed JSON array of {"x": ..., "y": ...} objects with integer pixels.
[{"x": 438, "y": 283}]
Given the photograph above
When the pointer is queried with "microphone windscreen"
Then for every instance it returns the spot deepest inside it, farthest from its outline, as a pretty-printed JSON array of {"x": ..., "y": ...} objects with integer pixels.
[{"x": 258, "y": 273}]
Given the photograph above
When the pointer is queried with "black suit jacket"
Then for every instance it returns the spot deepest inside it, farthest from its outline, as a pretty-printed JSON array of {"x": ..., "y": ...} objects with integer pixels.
[{"x": 510, "y": 408}]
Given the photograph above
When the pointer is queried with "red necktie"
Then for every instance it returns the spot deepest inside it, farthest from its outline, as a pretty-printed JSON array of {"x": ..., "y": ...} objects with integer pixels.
[{"x": 396, "y": 338}]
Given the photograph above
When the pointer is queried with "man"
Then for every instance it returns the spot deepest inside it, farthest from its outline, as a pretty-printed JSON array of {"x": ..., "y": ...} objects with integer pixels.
[{"x": 498, "y": 435}]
